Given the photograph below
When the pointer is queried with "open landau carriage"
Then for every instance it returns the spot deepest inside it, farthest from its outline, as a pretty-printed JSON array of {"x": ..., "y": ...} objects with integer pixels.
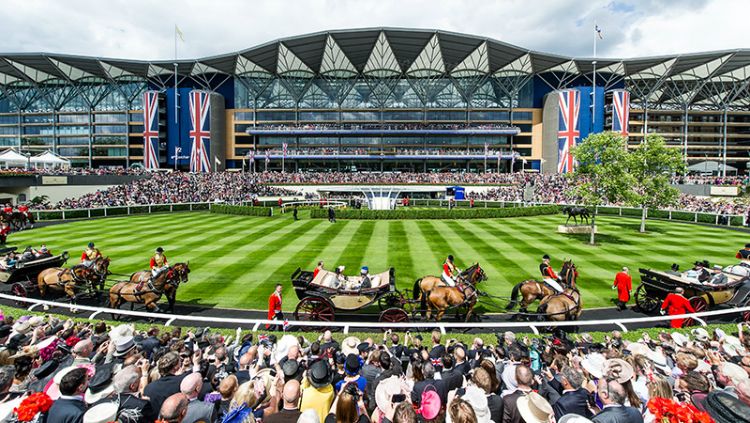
[
  {"x": 655, "y": 285},
  {"x": 326, "y": 294},
  {"x": 23, "y": 275}
]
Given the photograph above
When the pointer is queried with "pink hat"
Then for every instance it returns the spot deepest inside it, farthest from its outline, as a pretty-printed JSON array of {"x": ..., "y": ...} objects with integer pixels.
[{"x": 430, "y": 407}]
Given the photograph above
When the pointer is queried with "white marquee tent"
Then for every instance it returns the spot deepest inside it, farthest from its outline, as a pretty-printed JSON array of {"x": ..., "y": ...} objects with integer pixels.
[
  {"x": 10, "y": 158},
  {"x": 49, "y": 159}
]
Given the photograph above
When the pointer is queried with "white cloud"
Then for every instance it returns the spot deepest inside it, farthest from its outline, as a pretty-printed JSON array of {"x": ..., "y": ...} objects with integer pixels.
[{"x": 139, "y": 29}]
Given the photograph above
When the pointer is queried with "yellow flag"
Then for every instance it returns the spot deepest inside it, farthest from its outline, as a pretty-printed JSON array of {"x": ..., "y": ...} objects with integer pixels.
[{"x": 179, "y": 33}]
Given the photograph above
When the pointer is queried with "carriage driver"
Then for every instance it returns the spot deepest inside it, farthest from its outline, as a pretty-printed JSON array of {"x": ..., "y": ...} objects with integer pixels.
[
  {"x": 548, "y": 274},
  {"x": 90, "y": 254},
  {"x": 158, "y": 263},
  {"x": 744, "y": 254},
  {"x": 450, "y": 271}
]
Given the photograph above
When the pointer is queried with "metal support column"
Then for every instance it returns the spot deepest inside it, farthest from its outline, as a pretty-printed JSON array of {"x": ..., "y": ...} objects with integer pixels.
[
  {"x": 685, "y": 134},
  {"x": 724, "y": 145}
]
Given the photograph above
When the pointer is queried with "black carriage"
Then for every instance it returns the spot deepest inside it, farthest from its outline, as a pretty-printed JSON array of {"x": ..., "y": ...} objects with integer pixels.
[
  {"x": 22, "y": 277},
  {"x": 655, "y": 285},
  {"x": 323, "y": 295}
]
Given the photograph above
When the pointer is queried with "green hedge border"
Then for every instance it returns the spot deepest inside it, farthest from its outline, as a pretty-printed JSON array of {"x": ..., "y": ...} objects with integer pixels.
[
  {"x": 242, "y": 210},
  {"x": 443, "y": 213}
]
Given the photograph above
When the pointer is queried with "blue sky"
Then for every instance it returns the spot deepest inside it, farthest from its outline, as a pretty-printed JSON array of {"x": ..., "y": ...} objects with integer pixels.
[{"x": 139, "y": 29}]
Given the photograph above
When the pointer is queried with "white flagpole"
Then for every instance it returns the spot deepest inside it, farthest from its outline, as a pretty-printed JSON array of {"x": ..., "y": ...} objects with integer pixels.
[
  {"x": 176, "y": 95},
  {"x": 593, "y": 91}
]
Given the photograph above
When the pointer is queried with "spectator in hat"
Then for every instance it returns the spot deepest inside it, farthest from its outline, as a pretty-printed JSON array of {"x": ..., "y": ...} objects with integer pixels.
[
  {"x": 174, "y": 408},
  {"x": 69, "y": 408},
  {"x": 101, "y": 413},
  {"x": 533, "y": 408},
  {"x": 317, "y": 392},
  {"x": 168, "y": 384},
  {"x": 614, "y": 410},
  {"x": 352, "y": 366},
  {"x": 197, "y": 411},
  {"x": 743, "y": 254}
]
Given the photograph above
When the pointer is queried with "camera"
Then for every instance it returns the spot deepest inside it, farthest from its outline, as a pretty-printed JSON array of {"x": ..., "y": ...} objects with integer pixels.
[
  {"x": 353, "y": 390},
  {"x": 398, "y": 398}
]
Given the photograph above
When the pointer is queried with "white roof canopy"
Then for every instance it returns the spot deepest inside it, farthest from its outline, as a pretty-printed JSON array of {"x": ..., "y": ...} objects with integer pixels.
[
  {"x": 12, "y": 158},
  {"x": 49, "y": 158}
]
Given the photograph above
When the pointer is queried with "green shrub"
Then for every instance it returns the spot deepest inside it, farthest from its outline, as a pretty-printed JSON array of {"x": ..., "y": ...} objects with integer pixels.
[
  {"x": 241, "y": 210},
  {"x": 443, "y": 213}
]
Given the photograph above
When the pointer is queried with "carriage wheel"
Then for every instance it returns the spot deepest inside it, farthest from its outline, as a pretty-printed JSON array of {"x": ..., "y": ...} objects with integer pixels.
[
  {"x": 393, "y": 299},
  {"x": 394, "y": 315},
  {"x": 19, "y": 290},
  {"x": 699, "y": 304},
  {"x": 746, "y": 315},
  {"x": 314, "y": 309},
  {"x": 646, "y": 303}
]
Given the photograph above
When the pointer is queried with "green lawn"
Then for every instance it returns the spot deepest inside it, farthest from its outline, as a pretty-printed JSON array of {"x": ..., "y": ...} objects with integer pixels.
[{"x": 235, "y": 260}]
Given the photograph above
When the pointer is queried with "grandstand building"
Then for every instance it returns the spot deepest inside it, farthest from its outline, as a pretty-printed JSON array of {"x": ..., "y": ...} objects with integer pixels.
[{"x": 371, "y": 99}]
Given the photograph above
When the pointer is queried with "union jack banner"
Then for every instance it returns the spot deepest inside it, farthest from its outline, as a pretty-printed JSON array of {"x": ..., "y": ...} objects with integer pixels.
[
  {"x": 150, "y": 130},
  {"x": 620, "y": 111},
  {"x": 568, "y": 133},
  {"x": 200, "y": 131},
  {"x": 284, "y": 146}
]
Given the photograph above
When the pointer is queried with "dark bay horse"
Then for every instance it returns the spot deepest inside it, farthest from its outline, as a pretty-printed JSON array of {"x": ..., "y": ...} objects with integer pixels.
[
  {"x": 165, "y": 283},
  {"x": 433, "y": 293},
  {"x": 575, "y": 213},
  {"x": 68, "y": 280},
  {"x": 532, "y": 290}
]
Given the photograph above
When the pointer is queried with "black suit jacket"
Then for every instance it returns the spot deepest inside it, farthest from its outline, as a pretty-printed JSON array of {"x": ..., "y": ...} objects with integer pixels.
[
  {"x": 510, "y": 412},
  {"x": 163, "y": 388},
  {"x": 149, "y": 345},
  {"x": 242, "y": 376},
  {"x": 575, "y": 402},
  {"x": 495, "y": 403},
  {"x": 66, "y": 411},
  {"x": 620, "y": 414},
  {"x": 453, "y": 379}
]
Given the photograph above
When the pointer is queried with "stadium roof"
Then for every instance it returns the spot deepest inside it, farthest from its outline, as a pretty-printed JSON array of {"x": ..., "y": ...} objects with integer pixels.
[{"x": 713, "y": 77}]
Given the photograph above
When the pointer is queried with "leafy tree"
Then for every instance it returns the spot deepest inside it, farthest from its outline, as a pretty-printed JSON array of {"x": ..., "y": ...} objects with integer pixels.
[
  {"x": 601, "y": 173},
  {"x": 652, "y": 165}
]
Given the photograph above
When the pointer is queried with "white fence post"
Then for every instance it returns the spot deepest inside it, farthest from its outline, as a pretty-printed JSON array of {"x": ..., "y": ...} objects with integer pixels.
[{"x": 63, "y": 215}]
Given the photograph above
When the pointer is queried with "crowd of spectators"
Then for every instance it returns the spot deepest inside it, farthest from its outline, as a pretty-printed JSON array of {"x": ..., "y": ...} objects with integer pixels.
[
  {"x": 180, "y": 187},
  {"x": 380, "y": 127},
  {"x": 57, "y": 371},
  {"x": 176, "y": 187},
  {"x": 293, "y": 151}
]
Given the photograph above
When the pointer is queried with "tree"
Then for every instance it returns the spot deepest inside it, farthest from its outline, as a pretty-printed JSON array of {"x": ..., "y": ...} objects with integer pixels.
[
  {"x": 652, "y": 165},
  {"x": 601, "y": 173}
]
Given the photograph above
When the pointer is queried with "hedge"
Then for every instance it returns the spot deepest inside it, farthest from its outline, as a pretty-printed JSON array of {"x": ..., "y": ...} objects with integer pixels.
[
  {"x": 242, "y": 210},
  {"x": 407, "y": 213}
]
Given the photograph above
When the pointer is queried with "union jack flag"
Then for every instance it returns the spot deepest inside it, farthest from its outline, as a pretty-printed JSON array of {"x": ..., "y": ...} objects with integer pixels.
[
  {"x": 568, "y": 132},
  {"x": 200, "y": 131},
  {"x": 284, "y": 147},
  {"x": 620, "y": 111},
  {"x": 150, "y": 130}
]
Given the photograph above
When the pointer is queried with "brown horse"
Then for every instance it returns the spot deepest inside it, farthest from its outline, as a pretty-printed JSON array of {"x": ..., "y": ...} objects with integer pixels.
[
  {"x": 432, "y": 292},
  {"x": 564, "y": 306},
  {"x": 165, "y": 283},
  {"x": 532, "y": 290},
  {"x": 69, "y": 280}
]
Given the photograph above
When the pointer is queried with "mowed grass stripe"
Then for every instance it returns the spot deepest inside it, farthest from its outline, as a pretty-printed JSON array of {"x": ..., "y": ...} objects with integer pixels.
[
  {"x": 240, "y": 257},
  {"x": 272, "y": 262},
  {"x": 510, "y": 271},
  {"x": 399, "y": 253},
  {"x": 124, "y": 226},
  {"x": 427, "y": 260},
  {"x": 354, "y": 254},
  {"x": 376, "y": 253},
  {"x": 310, "y": 254},
  {"x": 472, "y": 254}
]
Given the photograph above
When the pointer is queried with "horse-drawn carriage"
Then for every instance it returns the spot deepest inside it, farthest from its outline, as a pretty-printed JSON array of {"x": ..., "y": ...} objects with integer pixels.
[
  {"x": 23, "y": 276},
  {"x": 655, "y": 285},
  {"x": 326, "y": 293}
]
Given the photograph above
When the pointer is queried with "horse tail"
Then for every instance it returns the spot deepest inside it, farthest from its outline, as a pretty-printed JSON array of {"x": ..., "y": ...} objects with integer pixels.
[
  {"x": 514, "y": 296},
  {"x": 417, "y": 292},
  {"x": 421, "y": 296}
]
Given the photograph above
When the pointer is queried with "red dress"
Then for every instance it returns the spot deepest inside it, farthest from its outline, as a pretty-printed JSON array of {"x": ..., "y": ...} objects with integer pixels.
[
  {"x": 624, "y": 284},
  {"x": 675, "y": 305}
]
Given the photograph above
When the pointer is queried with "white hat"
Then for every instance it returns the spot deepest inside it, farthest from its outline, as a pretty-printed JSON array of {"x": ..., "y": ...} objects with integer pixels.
[
  {"x": 102, "y": 413},
  {"x": 534, "y": 408},
  {"x": 46, "y": 342},
  {"x": 679, "y": 339},
  {"x": 121, "y": 331},
  {"x": 700, "y": 334},
  {"x": 22, "y": 327},
  {"x": 349, "y": 346},
  {"x": 386, "y": 389},
  {"x": 594, "y": 364},
  {"x": 638, "y": 348},
  {"x": 36, "y": 321},
  {"x": 478, "y": 401},
  {"x": 732, "y": 346},
  {"x": 282, "y": 347},
  {"x": 659, "y": 361},
  {"x": 573, "y": 418}
]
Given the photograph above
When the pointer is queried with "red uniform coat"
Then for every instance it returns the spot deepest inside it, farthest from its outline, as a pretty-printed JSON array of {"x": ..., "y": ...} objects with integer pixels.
[
  {"x": 624, "y": 284},
  {"x": 676, "y": 304},
  {"x": 274, "y": 305}
]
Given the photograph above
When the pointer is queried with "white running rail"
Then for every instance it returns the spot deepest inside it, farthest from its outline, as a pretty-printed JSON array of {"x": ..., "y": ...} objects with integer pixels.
[{"x": 255, "y": 324}]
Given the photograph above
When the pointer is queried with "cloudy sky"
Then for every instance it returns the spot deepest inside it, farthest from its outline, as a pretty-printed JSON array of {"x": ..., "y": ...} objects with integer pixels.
[{"x": 140, "y": 29}]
